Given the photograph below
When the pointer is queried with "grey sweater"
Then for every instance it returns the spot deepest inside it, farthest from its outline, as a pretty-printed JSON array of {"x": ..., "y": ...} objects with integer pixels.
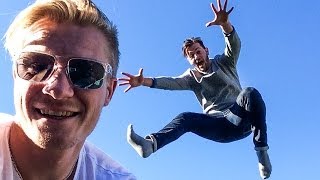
[{"x": 215, "y": 91}]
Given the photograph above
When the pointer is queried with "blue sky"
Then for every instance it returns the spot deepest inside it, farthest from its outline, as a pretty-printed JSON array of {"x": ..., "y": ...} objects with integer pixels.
[{"x": 280, "y": 47}]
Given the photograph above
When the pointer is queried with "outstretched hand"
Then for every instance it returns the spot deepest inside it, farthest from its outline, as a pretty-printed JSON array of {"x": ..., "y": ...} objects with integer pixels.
[
  {"x": 132, "y": 80},
  {"x": 221, "y": 14}
]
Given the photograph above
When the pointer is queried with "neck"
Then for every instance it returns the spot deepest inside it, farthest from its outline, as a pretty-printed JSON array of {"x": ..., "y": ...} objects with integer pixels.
[
  {"x": 207, "y": 71},
  {"x": 46, "y": 163}
]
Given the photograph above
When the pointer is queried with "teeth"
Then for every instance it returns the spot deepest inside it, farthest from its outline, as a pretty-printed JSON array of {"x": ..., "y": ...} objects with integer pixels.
[{"x": 56, "y": 113}]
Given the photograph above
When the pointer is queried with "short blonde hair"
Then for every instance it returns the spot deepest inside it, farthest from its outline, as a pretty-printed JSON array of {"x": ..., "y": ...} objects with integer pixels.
[{"x": 79, "y": 12}]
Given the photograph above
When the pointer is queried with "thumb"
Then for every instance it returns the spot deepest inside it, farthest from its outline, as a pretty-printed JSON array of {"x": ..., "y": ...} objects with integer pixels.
[
  {"x": 128, "y": 88},
  {"x": 140, "y": 71},
  {"x": 209, "y": 24}
]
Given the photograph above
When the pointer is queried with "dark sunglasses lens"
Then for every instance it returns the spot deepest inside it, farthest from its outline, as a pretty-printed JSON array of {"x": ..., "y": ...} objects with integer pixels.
[
  {"x": 34, "y": 66},
  {"x": 86, "y": 74}
]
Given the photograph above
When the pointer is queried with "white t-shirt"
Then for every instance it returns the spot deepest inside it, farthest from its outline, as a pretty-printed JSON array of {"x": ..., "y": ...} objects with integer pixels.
[{"x": 92, "y": 164}]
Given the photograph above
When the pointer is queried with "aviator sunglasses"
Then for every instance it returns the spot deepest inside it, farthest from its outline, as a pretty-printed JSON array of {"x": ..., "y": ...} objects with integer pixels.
[{"x": 82, "y": 72}]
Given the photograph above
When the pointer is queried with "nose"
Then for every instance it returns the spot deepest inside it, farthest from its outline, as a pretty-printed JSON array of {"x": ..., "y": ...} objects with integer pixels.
[
  {"x": 58, "y": 85},
  {"x": 196, "y": 58}
]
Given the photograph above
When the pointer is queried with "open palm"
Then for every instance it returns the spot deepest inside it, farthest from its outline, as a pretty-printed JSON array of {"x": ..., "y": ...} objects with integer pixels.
[{"x": 221, "y": 14}]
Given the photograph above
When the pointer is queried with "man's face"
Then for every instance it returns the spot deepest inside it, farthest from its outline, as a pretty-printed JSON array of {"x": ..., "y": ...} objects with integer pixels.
[
  {"x": 54, "y": 113},
  {"x": 198, "y": 57}
]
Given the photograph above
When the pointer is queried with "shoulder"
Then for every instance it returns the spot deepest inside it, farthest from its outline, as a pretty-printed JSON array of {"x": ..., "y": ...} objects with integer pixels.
[
  {"x": 191, "y": 76},
  {"x": 6, "y": 117},
  {"x": 187, "y": 73},
  {"x": 5, "y": 120},
  {"x": 95, "y": 164},
  {"x": 6, "y": 171},
  {"x": 221, "y": 60}
]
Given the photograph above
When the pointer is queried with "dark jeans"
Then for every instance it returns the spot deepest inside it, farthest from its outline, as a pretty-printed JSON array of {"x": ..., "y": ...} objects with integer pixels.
[{"x": 249, "y": 106}]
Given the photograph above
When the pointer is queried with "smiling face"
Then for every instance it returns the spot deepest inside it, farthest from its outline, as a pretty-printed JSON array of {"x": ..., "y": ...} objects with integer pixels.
[
  {"x": 198, "y": 57},
  {"x": 54, "y": 113}
]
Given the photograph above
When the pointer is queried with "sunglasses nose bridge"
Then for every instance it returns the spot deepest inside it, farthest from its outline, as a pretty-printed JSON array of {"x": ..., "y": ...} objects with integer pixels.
[
  {"x": 58, "y": 84},
  {"x": 58, "y": 70}
]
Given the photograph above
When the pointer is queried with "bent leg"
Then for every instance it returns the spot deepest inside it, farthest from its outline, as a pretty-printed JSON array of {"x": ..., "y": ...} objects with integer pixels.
[
  {"x": 215, "y": 128},
  {"x": 251, "y": 105}
]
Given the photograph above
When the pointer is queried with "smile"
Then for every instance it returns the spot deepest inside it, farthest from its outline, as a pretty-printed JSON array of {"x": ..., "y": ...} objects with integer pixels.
[{"x": 47, "y": 112}]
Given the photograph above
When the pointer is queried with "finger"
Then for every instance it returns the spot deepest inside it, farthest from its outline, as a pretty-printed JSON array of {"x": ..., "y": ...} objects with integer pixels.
[
  {"x": 126, "y": 90},
  {"x": 140, "y": 71},
  {"x": 213, "y": 8},
  {"x": 219, "y": 4},
  {"x": 124, "y": 83},
  {"x": 123, "y": 79},
  {"x": 127, "y": 74},
  {"x": 230, "y": 11},
  {"x": 211, "y": 23},
  {"x": 225, "y": 5}
]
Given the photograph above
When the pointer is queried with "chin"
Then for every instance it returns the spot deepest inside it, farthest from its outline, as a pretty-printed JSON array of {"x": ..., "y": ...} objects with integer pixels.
[
  {"x": 55, "y": 139},
  {"x": 56, "y": 143}
]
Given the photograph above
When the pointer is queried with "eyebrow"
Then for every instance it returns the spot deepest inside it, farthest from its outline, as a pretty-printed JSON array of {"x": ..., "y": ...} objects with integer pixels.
[{"x": 193, "y": 50}]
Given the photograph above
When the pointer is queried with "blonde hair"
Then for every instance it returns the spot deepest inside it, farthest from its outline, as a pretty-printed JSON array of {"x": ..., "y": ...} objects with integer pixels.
[{"x": 80, "y": 12}]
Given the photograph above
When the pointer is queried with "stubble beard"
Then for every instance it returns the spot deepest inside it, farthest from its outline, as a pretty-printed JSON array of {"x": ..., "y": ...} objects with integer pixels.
[{"x": 52, "y": 138}]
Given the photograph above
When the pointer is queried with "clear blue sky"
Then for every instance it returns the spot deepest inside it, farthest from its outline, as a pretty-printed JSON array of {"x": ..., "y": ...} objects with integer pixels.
[{"x": 280, "y": 48}]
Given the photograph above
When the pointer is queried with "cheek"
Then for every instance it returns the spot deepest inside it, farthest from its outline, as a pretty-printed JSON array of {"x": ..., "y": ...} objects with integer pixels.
[
  {"x": 24, "y": 92},
  {"x": 93, "y": 104},
  {"x": 93, "y": 100},
  {"x": 204, "y": 54},
  {"x": 96, "y": 100}
]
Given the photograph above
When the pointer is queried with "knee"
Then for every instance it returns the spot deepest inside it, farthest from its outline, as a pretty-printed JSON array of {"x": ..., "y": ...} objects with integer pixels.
[
  {"x": 184, "y": 116},
  {"x": 250, "y": 92},
  {"x": 250, "y": 98}
]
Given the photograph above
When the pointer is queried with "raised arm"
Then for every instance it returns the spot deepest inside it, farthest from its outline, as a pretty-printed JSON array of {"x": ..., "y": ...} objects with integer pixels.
[
  {"x": 134, "y": 80},
  {"x": 221, "y": 17},
  {"x": 232, "y": 40}
]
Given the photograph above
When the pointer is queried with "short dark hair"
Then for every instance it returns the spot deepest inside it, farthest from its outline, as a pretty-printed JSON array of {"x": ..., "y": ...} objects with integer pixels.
[{"x": 189, "y": 42}]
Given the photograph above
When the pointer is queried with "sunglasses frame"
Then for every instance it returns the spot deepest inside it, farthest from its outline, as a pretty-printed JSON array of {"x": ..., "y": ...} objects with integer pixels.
[{"x": 107, "y": 68}]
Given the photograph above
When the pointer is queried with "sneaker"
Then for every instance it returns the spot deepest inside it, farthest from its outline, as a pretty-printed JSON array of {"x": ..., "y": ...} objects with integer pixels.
[
  {"x": 265, "y": 167},
  {"x": 143, "y": 146}
]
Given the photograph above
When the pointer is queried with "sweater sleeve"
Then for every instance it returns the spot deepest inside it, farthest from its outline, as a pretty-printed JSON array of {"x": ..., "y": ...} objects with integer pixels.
[
  {"x": 182, "y": 82},
  {"x": 232, "y": 49}
]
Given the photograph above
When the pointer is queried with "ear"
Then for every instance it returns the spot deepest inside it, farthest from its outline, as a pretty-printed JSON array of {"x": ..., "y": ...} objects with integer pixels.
[
  {"x": 112, "y": 84},
  {"x": 207, "y": 51}
]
